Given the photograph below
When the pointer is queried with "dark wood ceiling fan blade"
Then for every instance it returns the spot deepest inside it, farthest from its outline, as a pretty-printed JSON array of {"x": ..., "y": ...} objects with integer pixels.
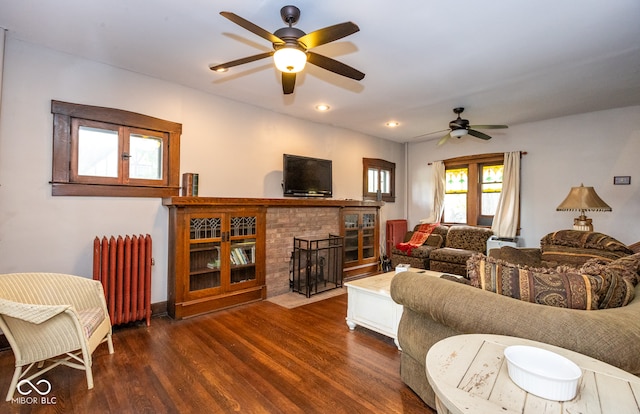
[
  {"x": 328, "y": 34},
  {"x": 444, "y": 139},
  {"x": 334, "y": 66},
  {"x": 478, "y": 134},
  {"x": 246, "y": 24},
  {"x": 240, "y": 61},
  {"x": 288, "y": 82},
  {"x": 488, "y": 126}
]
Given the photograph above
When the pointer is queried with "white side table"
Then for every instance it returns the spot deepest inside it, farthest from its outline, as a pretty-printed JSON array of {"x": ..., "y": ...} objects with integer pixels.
[
  {"x": 370, "y": 304},
  {"x": 469, "y": 375}
]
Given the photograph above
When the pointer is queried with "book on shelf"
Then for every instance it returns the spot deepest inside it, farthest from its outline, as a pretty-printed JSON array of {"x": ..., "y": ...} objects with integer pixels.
[
  {"x": 245, "y": 258},
  {"x": 243, "y": 255},
  {"x": 234, "y": 258}
]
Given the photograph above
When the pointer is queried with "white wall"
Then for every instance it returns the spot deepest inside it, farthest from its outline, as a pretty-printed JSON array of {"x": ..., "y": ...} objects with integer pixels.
[
  {"x": 237, "y": 150},
  {"x": 564, "y": 152}
]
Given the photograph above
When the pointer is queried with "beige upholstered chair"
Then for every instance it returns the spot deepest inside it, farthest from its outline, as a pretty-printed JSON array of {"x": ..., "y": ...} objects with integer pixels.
[{"x": 54, "y": 319}]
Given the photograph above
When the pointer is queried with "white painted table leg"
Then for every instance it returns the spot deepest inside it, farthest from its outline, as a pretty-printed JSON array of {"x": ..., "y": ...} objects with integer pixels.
[{"x": 351, "y": 324}]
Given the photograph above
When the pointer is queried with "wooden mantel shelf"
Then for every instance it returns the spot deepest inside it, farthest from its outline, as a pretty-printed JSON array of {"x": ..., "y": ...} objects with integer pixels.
[{"x": 266, "y": 202}]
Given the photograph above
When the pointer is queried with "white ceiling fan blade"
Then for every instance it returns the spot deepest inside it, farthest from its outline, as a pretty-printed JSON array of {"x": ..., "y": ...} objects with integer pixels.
[{"x": 444, "y": 139}]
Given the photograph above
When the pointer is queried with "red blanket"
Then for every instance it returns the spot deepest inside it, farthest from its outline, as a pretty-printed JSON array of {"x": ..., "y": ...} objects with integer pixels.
[{"x": 418, "y": 238}]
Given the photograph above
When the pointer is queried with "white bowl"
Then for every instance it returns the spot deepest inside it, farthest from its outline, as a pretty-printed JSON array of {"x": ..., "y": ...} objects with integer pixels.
[{"x": 542, "y": 373}]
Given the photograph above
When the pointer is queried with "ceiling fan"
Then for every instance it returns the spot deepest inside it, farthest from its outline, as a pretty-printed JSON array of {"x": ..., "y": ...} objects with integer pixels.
[
  {"x": 291, "y": 47},
  {"x": 460, "y": 127}
]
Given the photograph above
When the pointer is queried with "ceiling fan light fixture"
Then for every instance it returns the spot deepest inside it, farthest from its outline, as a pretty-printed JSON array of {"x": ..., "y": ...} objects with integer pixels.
[
  {"x": 290, "y": 59},
  {"x": 459, "y": 133},
  {"x": 218, "y": 68}
]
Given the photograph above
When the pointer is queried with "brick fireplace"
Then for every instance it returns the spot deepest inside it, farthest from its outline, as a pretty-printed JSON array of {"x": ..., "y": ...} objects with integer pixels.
[{"x": 285, "y": 223}]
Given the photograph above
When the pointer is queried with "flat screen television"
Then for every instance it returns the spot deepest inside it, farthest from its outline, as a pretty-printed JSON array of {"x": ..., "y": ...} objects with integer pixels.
[{"x": 306, "y": 176}]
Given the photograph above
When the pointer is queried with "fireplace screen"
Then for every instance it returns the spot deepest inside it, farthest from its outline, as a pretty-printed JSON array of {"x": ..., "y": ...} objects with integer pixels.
[{"x": 316, "y": 264}]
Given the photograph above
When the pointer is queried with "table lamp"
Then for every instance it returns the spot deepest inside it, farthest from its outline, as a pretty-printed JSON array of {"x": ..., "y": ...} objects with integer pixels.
[{"x": 583, "y": 199}]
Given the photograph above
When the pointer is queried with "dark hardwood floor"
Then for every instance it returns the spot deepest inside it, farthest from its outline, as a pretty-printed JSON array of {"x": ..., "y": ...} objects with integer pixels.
[{"x": 255, "y": 358}]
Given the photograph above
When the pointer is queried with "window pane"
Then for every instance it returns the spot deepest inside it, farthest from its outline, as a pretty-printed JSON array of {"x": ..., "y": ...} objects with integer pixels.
[
  {"x": 385, "y": 181},
  {"x": 372, "y": 182},
  {"x": 491, "y": 188},
  {"x": 455, "y": 208},
  {"x": 489, "y": 203},
  {"x": 492, "y": 173},
  {"x": 456, "y": 181},
  {"x": 146, "y": 157},
  {"x": 97, "y": 152}
]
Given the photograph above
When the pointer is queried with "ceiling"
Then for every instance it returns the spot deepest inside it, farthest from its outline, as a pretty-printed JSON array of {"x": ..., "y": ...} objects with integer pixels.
[{"x": 506, "y": 62}]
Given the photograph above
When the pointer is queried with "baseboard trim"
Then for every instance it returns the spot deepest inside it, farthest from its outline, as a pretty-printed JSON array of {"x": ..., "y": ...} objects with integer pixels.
[{"x": 159, "y": 309}]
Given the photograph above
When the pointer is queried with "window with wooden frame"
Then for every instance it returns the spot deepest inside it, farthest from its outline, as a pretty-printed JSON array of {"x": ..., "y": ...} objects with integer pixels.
[
  {"x": 110, "y": 152},
  {"x": 379, "y": 180},
  {"x": 472, "y": 189}
]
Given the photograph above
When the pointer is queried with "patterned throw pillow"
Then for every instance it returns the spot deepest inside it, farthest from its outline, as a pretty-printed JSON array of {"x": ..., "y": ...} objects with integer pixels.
[
  {"x": 628, "y": 267},
  {"x": 584, "y": 240},
  {"x": 595, "y": 286},
  {"x": 553, "y": 255},
  {"x": 614, "y": 281},
  {"x": 563, "y": 289},
  {"x": 575, "y": 248}
]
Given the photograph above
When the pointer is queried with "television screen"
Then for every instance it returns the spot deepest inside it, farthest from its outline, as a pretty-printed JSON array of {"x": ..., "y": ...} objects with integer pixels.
[{"x": 306, "y": 177}]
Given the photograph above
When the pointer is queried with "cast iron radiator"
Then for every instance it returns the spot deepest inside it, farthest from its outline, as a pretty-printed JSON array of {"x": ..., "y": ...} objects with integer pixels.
[{"x": 123, "y": 265}]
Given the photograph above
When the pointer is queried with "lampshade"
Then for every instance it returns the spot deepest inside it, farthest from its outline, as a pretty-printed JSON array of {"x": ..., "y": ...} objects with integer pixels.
[
  {"x": 290, "y": 59},
  {"x": 459, "y": 133},
  {"x": 583, "y": 199}
]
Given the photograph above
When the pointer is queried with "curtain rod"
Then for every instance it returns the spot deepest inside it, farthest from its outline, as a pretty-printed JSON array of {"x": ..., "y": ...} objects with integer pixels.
[{"x": 521, "y": 154}]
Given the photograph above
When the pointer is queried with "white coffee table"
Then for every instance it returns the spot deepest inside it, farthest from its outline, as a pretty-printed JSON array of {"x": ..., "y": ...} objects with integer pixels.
[
  {"x": 370, "y": 304},
  {"x": 468, "y": 373}
]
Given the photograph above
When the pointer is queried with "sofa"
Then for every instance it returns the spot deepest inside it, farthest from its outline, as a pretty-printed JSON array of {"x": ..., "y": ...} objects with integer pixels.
[
  {"x": 446, "y": 250},
  {"x": 436, "y": 308},
  {"x": 461, "y": 243}
]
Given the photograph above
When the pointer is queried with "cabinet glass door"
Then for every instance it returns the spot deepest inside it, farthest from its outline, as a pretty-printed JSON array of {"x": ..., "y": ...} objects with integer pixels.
[
  {"x": 368, "y": 235},
  {"x": 351, "y": 242},
  {"x": 242, "y": 250},
  {"x": 204, "y": 256}
]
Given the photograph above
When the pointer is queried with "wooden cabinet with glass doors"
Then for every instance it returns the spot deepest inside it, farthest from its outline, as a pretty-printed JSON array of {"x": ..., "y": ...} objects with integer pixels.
[
  {"x": 216, "y": 257},
  {"x": 360, "y": 229}
]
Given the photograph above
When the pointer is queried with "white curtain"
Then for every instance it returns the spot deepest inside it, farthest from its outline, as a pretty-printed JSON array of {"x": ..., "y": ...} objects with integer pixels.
[
  {"x": 505, "y": 221},
  {"x": 438, "y": 192}
]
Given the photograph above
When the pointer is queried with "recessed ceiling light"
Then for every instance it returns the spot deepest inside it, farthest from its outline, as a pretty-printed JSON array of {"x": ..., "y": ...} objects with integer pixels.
[
  {"x": 322, "y": 107},
  {"x": 392, "y": 124}
]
